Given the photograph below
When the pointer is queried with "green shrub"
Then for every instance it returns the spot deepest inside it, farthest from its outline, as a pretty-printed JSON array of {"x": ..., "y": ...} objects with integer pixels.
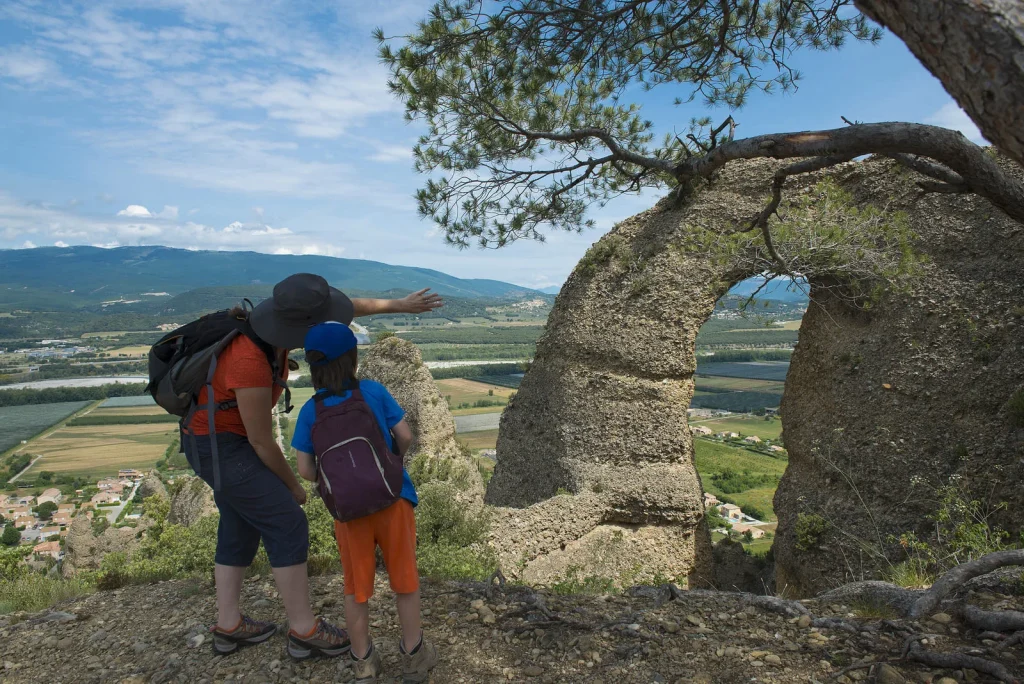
[
  {"x": 452, "y": 544},
  {"x": 33, "y": 591},
  {"x": 11, "y": 536},
  {"x": 809, "y": 528},
  {"x": 575, "y": 582}
]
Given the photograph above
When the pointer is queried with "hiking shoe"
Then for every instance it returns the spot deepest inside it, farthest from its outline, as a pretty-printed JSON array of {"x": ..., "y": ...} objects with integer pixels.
[
  {"x": 245, "y": 633},
  {"x": 416, "y": 666},
  {"x": 325, "y": 640},
  {"x": 366, "y": 669}
]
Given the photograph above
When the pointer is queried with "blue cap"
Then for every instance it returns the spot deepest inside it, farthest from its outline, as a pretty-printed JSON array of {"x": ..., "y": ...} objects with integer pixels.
[{"x": 332, "y": 339}]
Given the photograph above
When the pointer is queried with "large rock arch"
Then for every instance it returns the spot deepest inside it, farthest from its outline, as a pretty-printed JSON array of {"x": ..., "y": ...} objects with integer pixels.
[{"x": 602, "y": 412}]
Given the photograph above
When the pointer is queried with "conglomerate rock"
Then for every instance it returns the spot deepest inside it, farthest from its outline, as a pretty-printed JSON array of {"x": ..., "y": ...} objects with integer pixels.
[
  {"x": 152, "y": 485},
  {"x": 84, "y": 550},
  {"x": 601, "y": 414},
  {"x": 398, "y": 365},
  {"x": 192, "y": 501},
  {"x": 882, "y": 407}
]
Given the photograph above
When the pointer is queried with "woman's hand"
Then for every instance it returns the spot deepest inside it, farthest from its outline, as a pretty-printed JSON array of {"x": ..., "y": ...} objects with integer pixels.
[
  {"x": 420, "y": 302},
  {"x": 300, "y": 494}
]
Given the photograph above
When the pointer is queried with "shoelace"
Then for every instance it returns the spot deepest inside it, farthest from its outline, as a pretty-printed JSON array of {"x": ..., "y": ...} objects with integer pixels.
[
  {"x": 254, "y": 625},
  {"x": 332, "y": 630}
]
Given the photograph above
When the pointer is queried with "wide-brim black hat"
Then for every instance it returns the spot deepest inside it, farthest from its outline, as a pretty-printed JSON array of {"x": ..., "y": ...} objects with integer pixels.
[{"x": 299, "y": 302}]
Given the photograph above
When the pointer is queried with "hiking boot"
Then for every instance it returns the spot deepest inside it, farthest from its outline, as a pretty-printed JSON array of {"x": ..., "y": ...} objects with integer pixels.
[
  {"x": 416, "y": 666},
  {"x": 246, "y": 633},
  {"x": 366, "y": 669},
  {"x": 325, "y": 640}
]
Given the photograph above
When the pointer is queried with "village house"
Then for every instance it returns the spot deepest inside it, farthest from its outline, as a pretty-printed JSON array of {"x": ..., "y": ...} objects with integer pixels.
[
  {"x": 49, "y": 532},
  {"x": 51, "y": 549},
  {"x": 710, "y": 500},
  {"x": 752, "y": 439},
  {"x": 106, "y": 497},
  {"x": 775, "y": 448},
  {"x": 51, "y": 495},
  {"x": 61, "y": 519},
  {"x": 107, "y": 482},
  {"x": 741, "y": 528},
  {"x": 66, "y": 508},
  {"x": 731, "y": 511},
  {"x": 727, "y": 435},
  {"x": 26, "y": 521},
  {"x": 26, "y": 500},
  {"x": 130, "y": 474},
  {"x": 701, "y": 430},
  {"x": 18, "y": 510}
]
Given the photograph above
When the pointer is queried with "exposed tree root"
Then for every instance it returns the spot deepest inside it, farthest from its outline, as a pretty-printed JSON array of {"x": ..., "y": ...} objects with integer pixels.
[
  {"x": 993, "y": 620},
  {"x": 1014, "y": 640},
  {"x": 961, "y": 574},
  {"x": 957, "y": 661}
]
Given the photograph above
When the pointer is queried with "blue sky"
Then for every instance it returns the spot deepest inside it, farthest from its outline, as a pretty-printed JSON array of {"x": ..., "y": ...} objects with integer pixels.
[{"x": 266, "y": 125}]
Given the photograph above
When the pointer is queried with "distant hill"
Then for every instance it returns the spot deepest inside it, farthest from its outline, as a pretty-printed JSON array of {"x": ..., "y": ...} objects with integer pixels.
[
  {"x": 62, "y": 278},
  {"x": 780, "y": 290},
  {"x": 552, "y": 290}
]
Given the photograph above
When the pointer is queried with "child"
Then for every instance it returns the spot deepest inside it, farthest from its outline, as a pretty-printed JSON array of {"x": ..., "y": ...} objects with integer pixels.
[{"x": 333, "y": 357}]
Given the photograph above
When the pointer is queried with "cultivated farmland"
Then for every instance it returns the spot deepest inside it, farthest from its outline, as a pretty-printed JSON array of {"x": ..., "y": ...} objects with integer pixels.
[
  {"x": 100, "y": 450},
  {"x": 24, "y": 422},
  {"x": 757, "y": 370}
]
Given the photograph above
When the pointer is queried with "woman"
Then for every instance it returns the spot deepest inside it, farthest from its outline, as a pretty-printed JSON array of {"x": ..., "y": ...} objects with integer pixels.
[{"x": 259, "y": 496}]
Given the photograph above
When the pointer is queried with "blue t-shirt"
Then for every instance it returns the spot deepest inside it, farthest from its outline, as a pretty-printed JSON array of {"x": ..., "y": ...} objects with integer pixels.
[{"x": 384, "y": 407}]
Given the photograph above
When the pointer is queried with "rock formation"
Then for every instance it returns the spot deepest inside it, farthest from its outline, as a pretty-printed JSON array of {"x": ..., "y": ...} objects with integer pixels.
[
  {"x": 601, "y": 414},
  {"x": 192, "y": 501},
  {"x": 879, "y": 403},
  {"x": 84, "y": 550},
  {"x": 398, "y": 365},
  {"x": 882, "y": 407},
  {"x": 152, "y": 485}
]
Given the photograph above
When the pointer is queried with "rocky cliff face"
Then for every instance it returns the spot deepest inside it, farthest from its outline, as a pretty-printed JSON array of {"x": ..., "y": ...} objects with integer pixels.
[
  {"x": 882, "y": 407},
  {"x": 85, "y": 551},
  {"x": 194, "y": 500},
  {"x": 152, "y": 485},
  {"x": 602, "y": 412},
  {"x": 398, "y": 365}
]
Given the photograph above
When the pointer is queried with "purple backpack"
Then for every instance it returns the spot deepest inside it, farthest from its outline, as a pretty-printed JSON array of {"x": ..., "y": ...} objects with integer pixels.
[{"x": 356, "y": 472}]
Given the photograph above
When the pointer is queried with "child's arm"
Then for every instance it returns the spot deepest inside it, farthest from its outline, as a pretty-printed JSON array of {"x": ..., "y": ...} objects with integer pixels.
[
  {"x": 417, "y": 302},
  {"x": 307, "y": 465},
  {"x": 403, "y": 436}
]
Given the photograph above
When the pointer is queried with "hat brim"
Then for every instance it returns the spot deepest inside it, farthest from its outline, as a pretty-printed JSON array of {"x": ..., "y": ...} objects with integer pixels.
[{"x": 286, "y": 334}]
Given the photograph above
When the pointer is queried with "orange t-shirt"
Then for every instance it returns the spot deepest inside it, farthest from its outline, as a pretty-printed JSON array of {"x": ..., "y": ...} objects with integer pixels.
[{"x": 241, "y": 364}]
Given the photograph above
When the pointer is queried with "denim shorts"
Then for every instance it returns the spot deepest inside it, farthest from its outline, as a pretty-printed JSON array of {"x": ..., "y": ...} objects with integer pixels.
[{"x": 254, "y": 504}]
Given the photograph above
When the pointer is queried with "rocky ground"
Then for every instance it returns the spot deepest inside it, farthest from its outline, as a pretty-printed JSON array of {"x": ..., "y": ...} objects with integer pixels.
[{"x": 158, "y": 633}]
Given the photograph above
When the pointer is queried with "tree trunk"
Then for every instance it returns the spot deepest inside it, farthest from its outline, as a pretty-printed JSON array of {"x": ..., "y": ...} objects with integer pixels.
[{"x": 976, "y": 48}]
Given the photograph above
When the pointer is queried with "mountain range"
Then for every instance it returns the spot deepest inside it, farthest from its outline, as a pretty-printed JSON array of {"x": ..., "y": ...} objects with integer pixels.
[{"x": 61, "y": 278}]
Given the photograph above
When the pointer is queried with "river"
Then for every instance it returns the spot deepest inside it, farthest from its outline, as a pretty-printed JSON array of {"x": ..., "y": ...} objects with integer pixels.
[{"x": 76, "y": 382}]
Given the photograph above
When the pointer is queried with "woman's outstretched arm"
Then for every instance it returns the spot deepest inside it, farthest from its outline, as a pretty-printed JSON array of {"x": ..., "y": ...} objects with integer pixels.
[{"x": 417, "y": 302}]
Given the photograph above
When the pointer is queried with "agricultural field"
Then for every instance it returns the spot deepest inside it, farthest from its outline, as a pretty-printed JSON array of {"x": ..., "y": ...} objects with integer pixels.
[
  {"x": 100, "y": 450},
  {"x": 745, "y": 425},
  {"x": 136, "y": 351},
  {"x": 122, "y": 402},
  {"x": 463, "y": 395},
  {"x": 730, "y": 384},
  {"x": 477, "y": 441},
  {"x": 713, "y": 458},
  {"x": 19, "y": 423},
  {"x": 756, "y": 370}
]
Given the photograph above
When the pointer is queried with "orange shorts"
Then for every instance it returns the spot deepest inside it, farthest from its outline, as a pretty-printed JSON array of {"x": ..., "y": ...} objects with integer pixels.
[{"x": 394, "y": 531}]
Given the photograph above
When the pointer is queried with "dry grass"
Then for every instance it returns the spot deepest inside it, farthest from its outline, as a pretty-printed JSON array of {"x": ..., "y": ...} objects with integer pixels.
[
  {"x": 99, "y": 450},
  {"x": 133, "y": 351},
  {"x": 475, "y": 441},
  {"x": 129, "y": 411}
]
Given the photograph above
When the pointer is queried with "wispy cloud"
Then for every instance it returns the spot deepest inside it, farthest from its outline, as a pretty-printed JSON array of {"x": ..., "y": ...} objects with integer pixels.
[
  {"x": 951, "y": 116},
  {"x": 136, "y": 225}
]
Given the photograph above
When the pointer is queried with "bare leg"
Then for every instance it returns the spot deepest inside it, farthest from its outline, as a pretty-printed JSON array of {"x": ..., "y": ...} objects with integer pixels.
[
  {"x": 293, "y": 584},
  {"x": 229, "y": 588},
  {"x": 357, "y": 621},
  {"x": 409, "y": 617}
]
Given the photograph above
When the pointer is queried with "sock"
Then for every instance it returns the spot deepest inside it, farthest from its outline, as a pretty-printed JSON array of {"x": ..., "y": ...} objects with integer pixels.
[
  {"x": 369, "y": 652},
  {"x": 413, "y": 651},
  {"x": 233, "y": 629},
  {"x": 311, "y": 632}
]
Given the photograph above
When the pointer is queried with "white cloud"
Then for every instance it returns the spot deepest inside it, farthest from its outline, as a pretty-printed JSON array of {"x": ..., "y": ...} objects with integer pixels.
[
  {"x": 135, "y": 211},
  {"x": 168, "y": 212},
  {"x": 60, "y": 243},
  {"x": 392, "y": 153},
  {"x": 951, "y": 116},
  {"x": 28, "y": 244}
]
